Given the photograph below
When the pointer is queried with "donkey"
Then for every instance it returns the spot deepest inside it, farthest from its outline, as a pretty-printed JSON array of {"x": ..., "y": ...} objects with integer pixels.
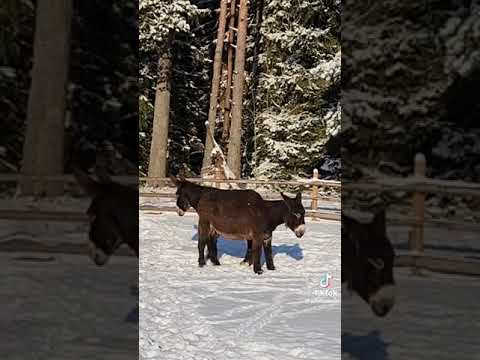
[
  {"x": 367, "y": 262},
  {"x": 279, "y": 211},
  {"x": 237, "y": 215},
  {"x": 112, "y": 215}
]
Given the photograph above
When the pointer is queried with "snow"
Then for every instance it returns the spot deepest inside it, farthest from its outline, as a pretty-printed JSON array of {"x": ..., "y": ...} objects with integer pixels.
[
  {"x": 429, "y": 314},
  {"x": 64, "y": 307},
  {"x": 228, "y": 312}
]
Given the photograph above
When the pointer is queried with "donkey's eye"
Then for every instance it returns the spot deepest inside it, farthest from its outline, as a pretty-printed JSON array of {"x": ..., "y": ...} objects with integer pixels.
[
  {"x": 376, "y": 263},
  {"x": 298, "y": 216}
]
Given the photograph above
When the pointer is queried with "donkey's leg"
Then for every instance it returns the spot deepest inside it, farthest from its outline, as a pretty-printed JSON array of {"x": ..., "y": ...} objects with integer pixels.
[
  {"x": 212, "y": 249},
  {"x": 256, "y": 255},
  {"x": 248, "y": 254},
  {"x": 203, "y": 228},
  {"x": 267, "y": 250}
]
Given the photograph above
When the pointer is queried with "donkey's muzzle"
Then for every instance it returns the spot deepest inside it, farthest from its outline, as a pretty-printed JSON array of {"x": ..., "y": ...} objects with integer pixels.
[
  {"x": 300, "y": 230},
  {"x": 100, "y": 260},
  {"x": 180, "y": 212},
  {"x": 383, "y": 300},
  {"x": 97, "y": 255}
]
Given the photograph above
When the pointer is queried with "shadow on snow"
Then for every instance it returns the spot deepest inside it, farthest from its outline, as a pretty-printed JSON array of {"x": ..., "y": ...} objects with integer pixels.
[
  {"x": 365, "y": 347},
  {"x": 238, "y": 249}
]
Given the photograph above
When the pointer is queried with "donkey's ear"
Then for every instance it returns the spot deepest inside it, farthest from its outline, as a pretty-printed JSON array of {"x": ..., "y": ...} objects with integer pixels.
[
  {"x": 286, "y": 200},
  {"x": 90, "y": 186},
  {"x": 299, "y": 196}
]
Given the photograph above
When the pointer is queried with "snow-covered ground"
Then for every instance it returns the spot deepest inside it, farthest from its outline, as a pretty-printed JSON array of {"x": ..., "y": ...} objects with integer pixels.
[
  {"x": 59, "y": 306},
  {"x": 228, "y": 312},
  {"x": 225, "y": 312},
  {"x": 435, "y": 316}
]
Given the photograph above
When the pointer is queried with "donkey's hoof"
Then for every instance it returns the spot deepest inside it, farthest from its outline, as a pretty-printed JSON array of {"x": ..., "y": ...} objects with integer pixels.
[
  {"x": 216, "y": 262},
  {"x": 201, "y": 263},
  {"x": 259, "y": 272},
  {"x": 271, "y": 267}
]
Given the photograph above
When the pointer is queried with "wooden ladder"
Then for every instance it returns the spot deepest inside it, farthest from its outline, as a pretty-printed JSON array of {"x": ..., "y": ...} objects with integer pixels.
[{"x": 226, "y": 97}]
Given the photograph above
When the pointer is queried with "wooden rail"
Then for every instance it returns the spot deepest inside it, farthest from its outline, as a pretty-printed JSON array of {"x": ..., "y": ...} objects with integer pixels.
[
  {"x": 309, "y": 213},
  {"x": 13, "y": 178},
  {"x": 445, "y": 264},
  {"x": 314, "y": 183},
  {"x": 267, "y": 196},
  {"x": 306, "y": 182},
  {"x": 62, "y": 216},
  {"x": 416, "y": 184},
  {"x": 43, "y": 215}
]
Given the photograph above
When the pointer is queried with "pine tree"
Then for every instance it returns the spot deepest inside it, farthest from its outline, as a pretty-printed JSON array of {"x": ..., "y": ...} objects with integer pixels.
[
  {"x": 298, "y": 101},
  {"x": 189, "y": 78}
]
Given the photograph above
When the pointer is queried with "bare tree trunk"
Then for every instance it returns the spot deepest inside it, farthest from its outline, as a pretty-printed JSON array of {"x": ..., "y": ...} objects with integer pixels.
[
  {"x": 228, "y": 90},
  {"x": 43, "y": 150},
  {"x": 157, "y": 165},
  {"x": 234, "y": 156},
  {"x": 217, "y": 70},
  {"x": 260, "y": 4}
]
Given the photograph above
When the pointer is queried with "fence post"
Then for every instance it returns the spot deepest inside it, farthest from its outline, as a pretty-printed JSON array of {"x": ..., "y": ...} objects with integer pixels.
[
  {"x": 416, "y": 245},
  {"x": 217, "y": 176},
  {"x": 315, "y": 190}
]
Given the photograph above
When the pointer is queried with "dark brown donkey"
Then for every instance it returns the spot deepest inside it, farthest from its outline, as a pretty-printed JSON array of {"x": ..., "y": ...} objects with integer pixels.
[
  {"x": 279, "y": 211},
  {"x": 367, "y": 262},
  {"x": 113, "y": 216},
  {"x": 237, "y": 215}
]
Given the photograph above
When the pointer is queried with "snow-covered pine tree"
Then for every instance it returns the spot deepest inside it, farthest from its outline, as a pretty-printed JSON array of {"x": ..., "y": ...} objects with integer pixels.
[
  {"x": 189, "y": 93},
  {"x": 298, "y": 96}
]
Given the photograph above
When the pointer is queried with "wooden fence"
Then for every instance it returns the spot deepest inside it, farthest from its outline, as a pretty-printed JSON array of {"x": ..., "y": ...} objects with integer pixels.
[
  {"x": 314, "y": 183},
  {"x": 64, "y": 216},
  {"x": 66, "y": 179},
  {"x": 419, "y": 185}
]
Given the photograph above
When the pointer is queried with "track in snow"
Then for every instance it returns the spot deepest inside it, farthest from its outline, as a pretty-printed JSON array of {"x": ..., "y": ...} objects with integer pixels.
[{"x": 228, "y": 312}]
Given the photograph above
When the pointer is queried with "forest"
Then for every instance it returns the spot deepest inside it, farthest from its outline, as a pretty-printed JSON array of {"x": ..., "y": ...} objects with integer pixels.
[
  {"x": 291, "y": 99},
  {"x": 100, "y": 108}
]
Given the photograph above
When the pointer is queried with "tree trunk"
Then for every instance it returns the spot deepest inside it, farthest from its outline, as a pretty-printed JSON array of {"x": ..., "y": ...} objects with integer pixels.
[
  {"x": 217, "y": 70},
  {"x": 157, "y": 165},
  {"x": 43, "y": 150},
  {"x": 228, "y": 90},
  {"x": 255, "y": 74},
  {"x": 234, "y": 156}
]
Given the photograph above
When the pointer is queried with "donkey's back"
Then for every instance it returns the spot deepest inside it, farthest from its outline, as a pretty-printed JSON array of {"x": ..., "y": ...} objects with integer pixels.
[{"x": 231, "y": 203}]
